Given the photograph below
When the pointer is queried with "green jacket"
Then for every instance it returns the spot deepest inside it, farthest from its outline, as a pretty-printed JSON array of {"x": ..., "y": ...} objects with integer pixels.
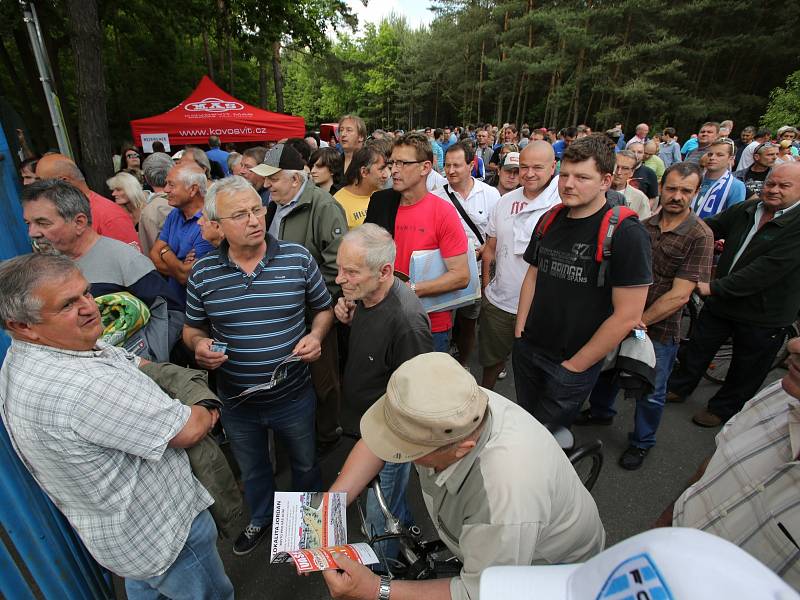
[
  {"x": 208, "y": 463},
  {"x": 318, "y": 222},
  {"x": 763, "y": 287}
]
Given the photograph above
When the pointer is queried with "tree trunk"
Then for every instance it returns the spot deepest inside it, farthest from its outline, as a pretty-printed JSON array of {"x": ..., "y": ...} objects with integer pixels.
[
  {"x": 230, "y": 67},
  {"x": 262, "y": 84},
  {"x": 87, "y": 41},
  {"x": 277, "y": 75},
  {"x": 480, "y": 80},
  {"x": 207, "y": 52},
  {"x": 221, "y": 34}
]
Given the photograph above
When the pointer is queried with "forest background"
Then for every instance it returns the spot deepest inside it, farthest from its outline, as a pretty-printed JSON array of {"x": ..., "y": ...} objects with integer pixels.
[{"x": 544, "y": 62}]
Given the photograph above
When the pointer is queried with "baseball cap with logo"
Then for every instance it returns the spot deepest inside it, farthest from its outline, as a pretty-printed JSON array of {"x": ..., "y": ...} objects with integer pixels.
[
  {"x": 279, "y": 157},
  {"x": 430, "y": 401},
  {"x": 672, "y": 563},
  {"x": 510, "y": 161}
]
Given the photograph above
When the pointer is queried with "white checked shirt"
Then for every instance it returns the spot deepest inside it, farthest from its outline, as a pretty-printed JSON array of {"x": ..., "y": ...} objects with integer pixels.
[
  {"x": 750, "y": 492},
  {"x": 93, "y": 431}
]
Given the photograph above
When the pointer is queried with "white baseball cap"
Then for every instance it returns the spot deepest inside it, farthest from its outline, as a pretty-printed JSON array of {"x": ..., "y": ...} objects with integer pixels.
[{"x": 672, "y": 563}]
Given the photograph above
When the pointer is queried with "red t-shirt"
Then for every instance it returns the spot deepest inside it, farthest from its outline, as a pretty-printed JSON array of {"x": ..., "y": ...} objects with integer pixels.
[
  {"x": 430, "y": 224},
  {"x": 111, "y": 220}
]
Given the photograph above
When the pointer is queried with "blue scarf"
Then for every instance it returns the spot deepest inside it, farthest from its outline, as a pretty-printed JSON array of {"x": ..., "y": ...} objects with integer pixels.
[{"x": 714, "y": 200}]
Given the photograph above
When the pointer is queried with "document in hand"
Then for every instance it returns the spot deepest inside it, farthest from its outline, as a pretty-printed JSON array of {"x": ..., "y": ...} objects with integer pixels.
[
  {"x": 426, "y": 265},
  {"x": 309, "y": 527}
]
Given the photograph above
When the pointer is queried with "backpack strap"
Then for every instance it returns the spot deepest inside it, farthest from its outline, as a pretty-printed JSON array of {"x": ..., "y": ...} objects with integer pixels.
[
  {"x": 611, "y": 220},
  {"x": 542, "y": 225}
]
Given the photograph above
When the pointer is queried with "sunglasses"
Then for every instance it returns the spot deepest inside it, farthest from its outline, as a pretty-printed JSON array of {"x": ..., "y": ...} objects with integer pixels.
[{"x": 131, "y": 155}]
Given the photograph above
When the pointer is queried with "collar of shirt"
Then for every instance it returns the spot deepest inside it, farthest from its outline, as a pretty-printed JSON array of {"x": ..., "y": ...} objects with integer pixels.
[
  {"x": 794, "y": 428},
  {"x": 453, "y": 476},
  {"x": 272, "y": 250},
  {"x": 100, "y": 349},
  {"x": 683, "y": 229},
  {"x": 293, "y": 203},
  {"x": 476, "y": 188},
  {"x": 195, "y": 217},
  {"x": 778, "y": 213}
]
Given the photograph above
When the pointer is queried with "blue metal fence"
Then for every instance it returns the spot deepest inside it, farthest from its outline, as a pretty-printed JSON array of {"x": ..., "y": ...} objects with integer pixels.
[{"x": 40, "y": 554}]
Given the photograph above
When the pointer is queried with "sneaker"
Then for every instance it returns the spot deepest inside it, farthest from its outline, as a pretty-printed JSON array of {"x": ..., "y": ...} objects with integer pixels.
[
  {"x": 249, "y": 539},
  {"x": 585, "y": 417},
  {"x": 673, "y": 397},
  {"x": 633, "y": 458},
  {"x": 503, "y": 374},
  {"x": 707, "y": 419}
]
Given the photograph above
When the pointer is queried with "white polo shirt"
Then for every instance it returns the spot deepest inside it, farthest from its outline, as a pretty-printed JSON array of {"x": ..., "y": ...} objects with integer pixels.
[
  {"x": 512, "y": 223},
  {"x": 479, "y": 205}
]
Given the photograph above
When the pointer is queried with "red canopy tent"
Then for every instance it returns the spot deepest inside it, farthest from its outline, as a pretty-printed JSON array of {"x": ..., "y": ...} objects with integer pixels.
[{"x": 210, "y": 111}]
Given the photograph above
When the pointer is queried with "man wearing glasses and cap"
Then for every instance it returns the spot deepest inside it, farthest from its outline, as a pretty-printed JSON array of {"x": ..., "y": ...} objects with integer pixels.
[{"x": 462, "y": 440}]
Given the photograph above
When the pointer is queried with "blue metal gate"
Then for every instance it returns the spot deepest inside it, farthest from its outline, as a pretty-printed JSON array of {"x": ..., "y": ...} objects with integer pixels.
[{"x": 40, "y": 554}]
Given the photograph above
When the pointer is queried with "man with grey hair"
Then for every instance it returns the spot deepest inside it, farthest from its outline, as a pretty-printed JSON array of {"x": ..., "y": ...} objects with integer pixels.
[
  {"x": 154, "y": 168},
  {"x": 60, "y": 221},
  {"x": 108, "y": 218},
  {"x": 644, "y": 178},
  {"x": 102, "y": 439},
  {"x": 305, "y": 214},
  {"x": 180, "y": 241},
  {"x": 642, "y": 130},
  {"x": 251, "y": 295},
  {"x": 388, "y": 326},
  {"x": 252, "y": 157}
]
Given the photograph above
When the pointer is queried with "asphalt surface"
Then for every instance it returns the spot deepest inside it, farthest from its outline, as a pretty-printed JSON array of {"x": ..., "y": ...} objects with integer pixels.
[{"x": 629, "y": 502}]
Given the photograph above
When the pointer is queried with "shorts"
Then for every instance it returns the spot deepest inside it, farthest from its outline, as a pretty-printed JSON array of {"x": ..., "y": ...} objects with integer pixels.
[
  {"x": 496, "y": 334},
  {"x": 470, "y": 311}
]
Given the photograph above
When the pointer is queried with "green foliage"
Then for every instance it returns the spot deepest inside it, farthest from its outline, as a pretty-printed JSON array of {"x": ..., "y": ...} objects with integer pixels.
[{"x": 784, "y": 104}]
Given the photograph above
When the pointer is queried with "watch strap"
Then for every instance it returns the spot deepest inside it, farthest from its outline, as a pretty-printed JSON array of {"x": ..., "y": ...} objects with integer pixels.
[{"x": 385, "y": 587}]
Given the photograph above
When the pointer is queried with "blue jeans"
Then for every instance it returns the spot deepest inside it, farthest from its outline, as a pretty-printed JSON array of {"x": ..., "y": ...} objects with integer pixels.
[
  {"x": 197, "y": 573},
  {"x": 394, "y": 480},
  {"x": 441, "y": 341},
  {"x": 648, "y": 409},
  {"x": 292, "y": 420},
  {"x": 551, "y": 393}
]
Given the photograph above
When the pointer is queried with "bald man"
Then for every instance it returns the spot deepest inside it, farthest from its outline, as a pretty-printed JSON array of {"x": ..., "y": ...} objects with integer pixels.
[
  {"x": 108, "y": 218},
  {"x": 508, "y": 233}
]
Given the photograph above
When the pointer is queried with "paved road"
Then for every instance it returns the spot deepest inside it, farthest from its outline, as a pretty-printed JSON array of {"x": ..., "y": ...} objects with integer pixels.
[{"x": 629, "y": 502}]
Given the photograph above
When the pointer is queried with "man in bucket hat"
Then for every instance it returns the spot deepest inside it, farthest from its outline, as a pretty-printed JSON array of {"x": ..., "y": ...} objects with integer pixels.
[{"x": 465, "y": 441}]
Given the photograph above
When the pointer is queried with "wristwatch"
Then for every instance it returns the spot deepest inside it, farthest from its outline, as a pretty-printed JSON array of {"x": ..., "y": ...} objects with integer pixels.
[
  {"x": 384, "y": 590},
  {"x": 413, "y": 287}
]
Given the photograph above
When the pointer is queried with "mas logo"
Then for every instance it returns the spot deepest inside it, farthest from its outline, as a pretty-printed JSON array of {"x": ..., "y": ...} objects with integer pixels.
[
  {"x": 636, "y": 578},
  {"x": 213, "y": 105}
]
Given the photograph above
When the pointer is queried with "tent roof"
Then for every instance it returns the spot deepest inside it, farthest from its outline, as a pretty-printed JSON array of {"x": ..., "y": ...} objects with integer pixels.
[{"x": 211, "y": 111}]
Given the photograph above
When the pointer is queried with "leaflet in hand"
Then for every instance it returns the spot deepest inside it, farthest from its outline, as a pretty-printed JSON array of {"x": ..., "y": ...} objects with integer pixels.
[
  {"x": 426, "y": 265},
  {"x": 307, "y": 527},
  {"x": 278, "y": 375}
]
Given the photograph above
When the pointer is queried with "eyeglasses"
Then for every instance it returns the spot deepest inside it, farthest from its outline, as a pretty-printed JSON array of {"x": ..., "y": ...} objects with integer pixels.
[
  {"x": 244, "y": 215},
  {"x": 402, "y": 163},
  {"x": 131, "y": 155},
  {"x": 621, "y": 169},
  {"x": 726, "y": 140}
]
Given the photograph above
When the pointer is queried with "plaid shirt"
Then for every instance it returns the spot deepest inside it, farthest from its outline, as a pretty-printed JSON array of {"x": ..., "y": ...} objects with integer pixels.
[
  {"x": 686, "y": 253},
  {"x": 93, "y": 431},
  {"x": 749, "y": 492}
]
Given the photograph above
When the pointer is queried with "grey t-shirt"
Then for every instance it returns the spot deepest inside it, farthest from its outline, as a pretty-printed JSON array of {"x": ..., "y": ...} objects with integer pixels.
[{"x": 382, "y": 338}]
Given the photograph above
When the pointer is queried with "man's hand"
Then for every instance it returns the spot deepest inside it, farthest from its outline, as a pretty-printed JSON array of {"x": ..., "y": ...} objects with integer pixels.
[
  {"x": 190, "y": 258},
  {"x": 344, "y": 310},
  {"x": 214, "y": 418},
  {"x": 355, "y": 582},
  {"x": 569, "y": 366},
  {"x": 703, "y": 288},
  {"x": 206, "y": 357},
  {"x": 309, "y": 348}
]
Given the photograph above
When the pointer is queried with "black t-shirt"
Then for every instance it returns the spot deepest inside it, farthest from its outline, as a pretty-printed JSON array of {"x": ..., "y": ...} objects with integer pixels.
[
  {"x": 382, "y": 337},
  {"x": 644, "y": 179},
  {"x": 568, "y": 307},
  {"x": 754, "y": 182}
]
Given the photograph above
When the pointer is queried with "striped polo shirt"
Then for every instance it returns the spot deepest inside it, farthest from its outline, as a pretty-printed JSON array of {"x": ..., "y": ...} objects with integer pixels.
[{"x": 260, "y": 316}]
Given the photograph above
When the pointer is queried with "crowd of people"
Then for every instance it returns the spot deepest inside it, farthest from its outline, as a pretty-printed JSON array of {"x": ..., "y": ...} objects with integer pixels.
[{"x": 281, "y": 277}]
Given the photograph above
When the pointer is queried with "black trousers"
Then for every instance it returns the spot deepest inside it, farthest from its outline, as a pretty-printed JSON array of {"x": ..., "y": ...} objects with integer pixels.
[{"x": 754, "y": 349}]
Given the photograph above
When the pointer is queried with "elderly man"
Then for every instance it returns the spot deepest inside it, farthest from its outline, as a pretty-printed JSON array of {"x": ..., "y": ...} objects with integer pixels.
[
  {"x": 652, "y": 160},
  {"x": 59, "y": 221},
  {"x": 643, "y": 178},
  {"x": 155, "y": 169},
  {"x": 388, "y": 326},
  {"x": 180, "y": 241},
  {"x": 108, "y": 218},
  {"x": 302, "y": 213},
  {"x": 624, "y": 167},
  {"x": 753, "y": 177},
  {"x": 102, "y": 439},
  {"x": 484, "y": 511},
  {"x": 252, "y": 295},
  {"x": 752, "y": 299},
  {"x": 642, "y": 130}
]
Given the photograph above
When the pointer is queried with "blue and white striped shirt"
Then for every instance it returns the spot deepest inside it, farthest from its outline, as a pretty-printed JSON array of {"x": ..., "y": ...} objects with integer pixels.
[{"x": 260, "y": 316}]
